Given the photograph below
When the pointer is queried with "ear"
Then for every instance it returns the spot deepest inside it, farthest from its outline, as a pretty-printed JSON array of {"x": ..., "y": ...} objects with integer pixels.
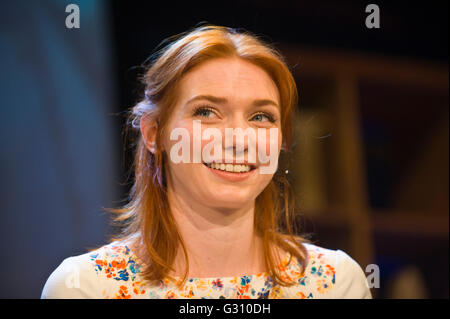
[
  {"x": 149, "y": 129},
  {"x": 283, "y": 146}
]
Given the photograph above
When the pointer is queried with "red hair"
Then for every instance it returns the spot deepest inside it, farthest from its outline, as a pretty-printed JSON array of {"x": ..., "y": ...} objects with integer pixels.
[{"x": 147, "y": 216}]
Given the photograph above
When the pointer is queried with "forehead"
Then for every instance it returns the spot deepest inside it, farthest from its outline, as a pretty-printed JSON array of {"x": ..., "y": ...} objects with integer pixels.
[{"x": 233, "y": 78}]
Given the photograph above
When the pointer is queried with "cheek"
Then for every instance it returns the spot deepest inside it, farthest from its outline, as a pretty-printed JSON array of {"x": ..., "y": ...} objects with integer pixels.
[
  {"x": 211, "y": 148},
  {"x": 271, "y": 145},
  {"x": 191, "y": 142},
  {"x": 182, "y": 133}
]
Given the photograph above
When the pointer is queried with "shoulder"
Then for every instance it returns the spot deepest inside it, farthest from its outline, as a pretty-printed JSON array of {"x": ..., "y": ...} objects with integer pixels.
[
  {"x": 346, "y": 279},
  {"x": 73, "y": 278},
  {"x": 85, "y": 276}
]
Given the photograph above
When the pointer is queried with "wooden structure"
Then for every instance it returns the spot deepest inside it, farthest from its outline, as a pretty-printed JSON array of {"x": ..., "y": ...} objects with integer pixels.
[{"x": 338, "y": 92}]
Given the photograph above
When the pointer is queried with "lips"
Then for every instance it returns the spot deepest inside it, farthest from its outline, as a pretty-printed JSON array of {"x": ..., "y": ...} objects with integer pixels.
[
  {"x": 231, "y": 167},
  {"x": 232, "y": 176}
]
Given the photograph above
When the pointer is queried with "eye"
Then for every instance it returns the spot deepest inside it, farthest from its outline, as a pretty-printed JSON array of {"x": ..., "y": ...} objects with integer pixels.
[
  {"x": 260, "y": 117},
  {"x": 203, "y": 111}
]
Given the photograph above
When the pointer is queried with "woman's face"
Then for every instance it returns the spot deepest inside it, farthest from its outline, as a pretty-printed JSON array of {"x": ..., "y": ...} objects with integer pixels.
[{"x": 236, "y": 94}]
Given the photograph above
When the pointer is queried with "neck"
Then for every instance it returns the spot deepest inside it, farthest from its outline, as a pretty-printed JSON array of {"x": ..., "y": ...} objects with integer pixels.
[{"x": 219, "y": 242}]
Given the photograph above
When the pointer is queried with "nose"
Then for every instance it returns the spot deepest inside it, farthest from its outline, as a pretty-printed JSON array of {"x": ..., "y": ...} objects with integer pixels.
[{"x": 238, "y": 138}]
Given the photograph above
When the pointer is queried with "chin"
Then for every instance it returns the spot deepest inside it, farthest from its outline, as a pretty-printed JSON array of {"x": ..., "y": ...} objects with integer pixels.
[
  {"x": 231, "y": 200},
  {"x": 228, "y": 206}
]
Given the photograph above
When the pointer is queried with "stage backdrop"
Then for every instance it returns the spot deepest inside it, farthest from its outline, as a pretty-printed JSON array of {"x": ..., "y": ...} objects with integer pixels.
[{"x": 59, "y": 152}]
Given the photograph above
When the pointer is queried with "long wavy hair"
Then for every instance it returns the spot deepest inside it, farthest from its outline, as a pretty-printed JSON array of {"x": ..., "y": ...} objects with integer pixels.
[{"x": 146, "y": 219}]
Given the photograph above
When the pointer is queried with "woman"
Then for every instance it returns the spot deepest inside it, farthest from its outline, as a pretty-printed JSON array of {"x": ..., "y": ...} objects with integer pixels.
[{"x": 211, "y": 226}]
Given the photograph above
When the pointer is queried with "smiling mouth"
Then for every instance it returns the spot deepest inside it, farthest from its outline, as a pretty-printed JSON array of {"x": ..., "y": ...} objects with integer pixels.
[{"x": 232, "y": 168}]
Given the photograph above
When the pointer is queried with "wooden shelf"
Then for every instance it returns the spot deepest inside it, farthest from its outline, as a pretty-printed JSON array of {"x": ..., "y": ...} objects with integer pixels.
[
  {"x": 407, "y": 101},
  {"x": 399, "y": 223},
  {"x": 326, "y": 62},
  {"x": 412, "y": 224}
]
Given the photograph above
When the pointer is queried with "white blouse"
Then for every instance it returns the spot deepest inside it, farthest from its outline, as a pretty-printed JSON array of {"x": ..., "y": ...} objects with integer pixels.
[{"x": 113, "y": 271}]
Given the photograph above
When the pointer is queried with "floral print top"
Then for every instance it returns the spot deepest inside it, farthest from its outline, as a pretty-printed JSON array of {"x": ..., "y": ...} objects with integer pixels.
[{"x": 113, "y": 271}]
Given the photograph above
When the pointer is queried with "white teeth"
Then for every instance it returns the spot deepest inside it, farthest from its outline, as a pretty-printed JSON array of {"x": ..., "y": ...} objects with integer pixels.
[{"x": 230, "y": 167}]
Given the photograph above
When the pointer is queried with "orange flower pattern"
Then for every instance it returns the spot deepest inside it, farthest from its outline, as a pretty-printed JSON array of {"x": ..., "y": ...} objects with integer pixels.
[{"x": 120, "y": 267}]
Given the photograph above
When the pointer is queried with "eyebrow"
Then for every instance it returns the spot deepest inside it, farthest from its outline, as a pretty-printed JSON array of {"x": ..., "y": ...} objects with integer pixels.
[{"x": 222, "y": 100}]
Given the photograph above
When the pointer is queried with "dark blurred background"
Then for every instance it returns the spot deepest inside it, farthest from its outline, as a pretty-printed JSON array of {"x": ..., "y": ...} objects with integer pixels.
[{"x": 370, "y": 165}]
